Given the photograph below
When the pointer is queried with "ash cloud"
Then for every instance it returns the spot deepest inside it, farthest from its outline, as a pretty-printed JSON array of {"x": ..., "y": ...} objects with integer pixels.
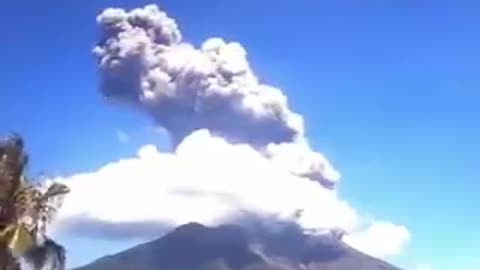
[
  {"x": 238, "y": 148},
  {"x": 145, "y": 64},
  {"x": 275, "y": 237},
  {"x": 143, "y": 61}
]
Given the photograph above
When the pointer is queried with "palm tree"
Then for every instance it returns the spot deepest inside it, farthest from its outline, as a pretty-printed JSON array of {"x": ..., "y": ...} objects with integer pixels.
[{"x": 25, "y": 211}]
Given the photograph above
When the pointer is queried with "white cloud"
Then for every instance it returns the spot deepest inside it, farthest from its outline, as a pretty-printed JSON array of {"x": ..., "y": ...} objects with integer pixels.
[
  {"x": 381, "y": 239},
  {"x": 215, "y": 177},
  {"x": 424, "y": 267},
  {"x": 208, "y": 180}
]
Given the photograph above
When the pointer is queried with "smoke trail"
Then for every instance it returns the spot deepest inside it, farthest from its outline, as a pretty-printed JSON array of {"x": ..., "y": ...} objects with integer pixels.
[{"x": 144, "y": 63}]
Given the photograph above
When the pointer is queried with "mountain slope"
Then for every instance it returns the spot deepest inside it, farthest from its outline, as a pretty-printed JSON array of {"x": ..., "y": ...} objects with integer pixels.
[{"x": 197, "y": 247}]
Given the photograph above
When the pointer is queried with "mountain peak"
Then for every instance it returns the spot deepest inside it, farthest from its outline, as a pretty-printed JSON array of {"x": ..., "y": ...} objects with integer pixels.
[{"x": 194, "y": 246}]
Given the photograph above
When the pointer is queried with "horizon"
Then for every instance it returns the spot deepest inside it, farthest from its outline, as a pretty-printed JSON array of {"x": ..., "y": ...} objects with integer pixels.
[{"x": 388, "y": 93}]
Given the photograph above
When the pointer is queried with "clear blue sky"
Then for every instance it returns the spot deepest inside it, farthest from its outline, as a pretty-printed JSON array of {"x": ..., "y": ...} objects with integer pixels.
[{"x": 389, "y": 90}]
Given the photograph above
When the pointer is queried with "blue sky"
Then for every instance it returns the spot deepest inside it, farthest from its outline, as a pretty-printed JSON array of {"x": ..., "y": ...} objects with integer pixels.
[{"x": 388, "y": 91}]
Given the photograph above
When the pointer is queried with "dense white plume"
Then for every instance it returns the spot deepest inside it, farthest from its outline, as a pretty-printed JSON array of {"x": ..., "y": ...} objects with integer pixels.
[
  {"x": 211, "y": 181},
  {"x": 238, "y": 147},
  {"x": 206, "y": 180}
]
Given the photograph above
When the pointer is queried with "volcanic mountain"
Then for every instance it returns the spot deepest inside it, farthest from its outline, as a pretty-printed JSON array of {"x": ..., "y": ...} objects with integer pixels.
[{"x": 229, "y": 247}]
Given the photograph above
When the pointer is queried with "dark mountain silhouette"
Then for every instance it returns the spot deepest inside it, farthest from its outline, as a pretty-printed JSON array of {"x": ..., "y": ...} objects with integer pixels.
[{"x": 196, "y": 247}]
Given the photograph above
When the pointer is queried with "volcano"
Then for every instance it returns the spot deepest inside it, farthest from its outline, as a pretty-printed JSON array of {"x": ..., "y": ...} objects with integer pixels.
[{"x": 194, "y": 246}]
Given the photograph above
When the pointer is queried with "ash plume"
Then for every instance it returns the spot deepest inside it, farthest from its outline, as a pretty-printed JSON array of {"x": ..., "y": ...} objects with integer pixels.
[
  {"x": 237, "y": 148},
  {"x": 145, "y": 64}
]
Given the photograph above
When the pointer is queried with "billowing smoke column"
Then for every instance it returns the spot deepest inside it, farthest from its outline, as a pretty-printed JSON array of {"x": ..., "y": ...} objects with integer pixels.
[{"x": 145, "y": 64}]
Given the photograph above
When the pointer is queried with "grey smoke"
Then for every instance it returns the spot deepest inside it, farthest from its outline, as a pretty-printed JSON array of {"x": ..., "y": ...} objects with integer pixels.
[
  {"x": 274, "y": 237},
  {"x": 145, "y": 64}
]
